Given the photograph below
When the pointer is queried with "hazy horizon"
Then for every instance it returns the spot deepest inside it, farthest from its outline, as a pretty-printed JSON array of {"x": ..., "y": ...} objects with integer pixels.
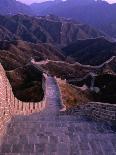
[{"x": 38, "y": 1}]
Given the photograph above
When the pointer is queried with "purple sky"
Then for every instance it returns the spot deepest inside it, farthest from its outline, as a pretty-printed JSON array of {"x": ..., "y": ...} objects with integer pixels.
[{"x": 32, "y": 1}]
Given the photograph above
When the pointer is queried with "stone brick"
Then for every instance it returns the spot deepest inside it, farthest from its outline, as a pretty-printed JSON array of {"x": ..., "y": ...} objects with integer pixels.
[
  {"x": 6, "y": 148},
  {"x": 28, "y": 148},
  {"x": 39, "y": 148},
  {"x": 17, "y": 148}
]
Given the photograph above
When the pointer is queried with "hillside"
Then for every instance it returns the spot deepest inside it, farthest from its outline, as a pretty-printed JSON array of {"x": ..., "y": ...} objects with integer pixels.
[
  {"x": 14, "y": 54},
  {"x": 91, "y": 51},
  {"x": 26, "y": 82},
  {"x": 38, "y": 29},
  {"x": 66, "y": 70},
  {"x": 25, "y": 79},
  {"x": 75, "y": 70},
  {"x": 99, "y": 80},
  {"x": 73, "y": 96}
]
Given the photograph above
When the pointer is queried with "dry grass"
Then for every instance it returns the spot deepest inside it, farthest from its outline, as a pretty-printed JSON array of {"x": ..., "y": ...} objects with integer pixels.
[{"x": 73, "y": 97}]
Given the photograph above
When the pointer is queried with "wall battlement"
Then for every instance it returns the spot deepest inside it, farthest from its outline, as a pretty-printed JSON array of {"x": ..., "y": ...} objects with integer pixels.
[
  {"x": 95, "y": 110},
  {"x": 101, "y": 111},
  {"x": 11, "y": 106}
]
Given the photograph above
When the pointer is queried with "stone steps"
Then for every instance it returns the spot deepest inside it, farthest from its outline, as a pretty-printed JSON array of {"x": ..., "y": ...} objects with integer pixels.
[
  {"x": 54, "y": 133},
  {"x": 50, "y": 118}
]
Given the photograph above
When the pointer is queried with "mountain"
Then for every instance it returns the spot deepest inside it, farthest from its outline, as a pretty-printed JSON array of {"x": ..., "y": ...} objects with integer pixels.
[
  {"x": 38, "y": 8},
  {"x": 45, "y": 7},
  {"x": 99, "y": 14},
  {"x": 13, "y": 7},
  {"x": 79, "y": 10},
  {"x": 38, "y": 29},
  {"x": 91, "y": 51},
  {"x": 66, "y": 42},
  {"x": 5, "y": 34},
  {"x": 25, "y": 79}
]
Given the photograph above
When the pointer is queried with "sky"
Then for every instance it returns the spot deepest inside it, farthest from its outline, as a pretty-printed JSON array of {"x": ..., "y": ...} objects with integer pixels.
[{"x": 32, "y": 1}]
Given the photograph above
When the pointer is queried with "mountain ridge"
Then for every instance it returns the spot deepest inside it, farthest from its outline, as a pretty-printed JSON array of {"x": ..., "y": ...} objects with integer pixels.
[
  {"x": 95, "y": 9},
  {"x": 79, "y": 10},
  {"x": 14, "y": 7},
  {"x": 38, "y": 29}
]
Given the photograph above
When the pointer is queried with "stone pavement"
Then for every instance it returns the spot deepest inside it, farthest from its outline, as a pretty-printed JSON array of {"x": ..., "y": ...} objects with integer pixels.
[{"x": 51, "y": 133}]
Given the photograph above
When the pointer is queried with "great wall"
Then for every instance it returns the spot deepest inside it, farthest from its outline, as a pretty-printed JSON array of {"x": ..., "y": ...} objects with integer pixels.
[
  {"x": 40, "y": 128},
  {"x": 11, "y": 106},
  {"x": 95, "y": 110}
]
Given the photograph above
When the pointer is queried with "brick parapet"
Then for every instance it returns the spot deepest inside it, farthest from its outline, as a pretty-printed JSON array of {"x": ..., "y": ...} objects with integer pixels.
[
  {"x": 101, "y": 111},
  {"x": 95, "y": 110},
  {"x": 11, "y": 106},
  {"x": 58, "y": 81}
]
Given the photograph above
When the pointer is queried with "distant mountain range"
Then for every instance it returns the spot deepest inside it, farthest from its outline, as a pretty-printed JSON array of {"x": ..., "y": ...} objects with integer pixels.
[
  {"x": 78, "y": 42},
  {"x": 48, "y": 29},
  {"x": 98, "y": 14},
  {"x": 13, "y": 7}
]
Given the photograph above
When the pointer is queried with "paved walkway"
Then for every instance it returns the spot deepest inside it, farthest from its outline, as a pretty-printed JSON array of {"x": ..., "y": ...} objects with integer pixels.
[{"x": 51, "y": 133}]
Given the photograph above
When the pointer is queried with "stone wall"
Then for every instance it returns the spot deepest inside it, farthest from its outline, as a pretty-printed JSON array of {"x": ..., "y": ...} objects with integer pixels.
[
  {"x": 11, "y": 106},
  {"x": 101, "y": 111},
  {"x": 95, "y": 110},
  {"x": 59, "y": 80}
]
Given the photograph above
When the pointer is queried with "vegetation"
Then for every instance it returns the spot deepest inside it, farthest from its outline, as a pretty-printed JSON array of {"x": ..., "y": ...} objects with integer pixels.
[{"x": 72, "y": 96}]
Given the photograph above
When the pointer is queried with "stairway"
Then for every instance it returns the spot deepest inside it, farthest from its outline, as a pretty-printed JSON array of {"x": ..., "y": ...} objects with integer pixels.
[{"x": 52, "y": 133}]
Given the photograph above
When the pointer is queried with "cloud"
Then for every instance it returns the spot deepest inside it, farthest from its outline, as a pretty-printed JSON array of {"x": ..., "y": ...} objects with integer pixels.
[
  {"x": 31, "y": 1},
  {"x": 38, "y": 1}
]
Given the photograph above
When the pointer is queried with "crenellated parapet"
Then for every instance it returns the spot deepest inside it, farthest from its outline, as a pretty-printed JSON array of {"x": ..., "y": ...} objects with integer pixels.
[
  {"x": 101, "y": 111},
  {"x": 11, "y": 106},
  {"x": 95, "y": 110}
]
